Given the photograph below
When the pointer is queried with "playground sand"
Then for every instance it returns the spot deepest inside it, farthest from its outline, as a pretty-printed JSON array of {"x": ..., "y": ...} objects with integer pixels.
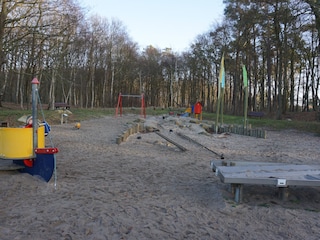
[{"x": 147, "y": 188}]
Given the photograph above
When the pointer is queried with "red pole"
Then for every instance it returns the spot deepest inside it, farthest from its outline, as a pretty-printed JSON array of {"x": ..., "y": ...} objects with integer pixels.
[{"x": 118, "y": 105}]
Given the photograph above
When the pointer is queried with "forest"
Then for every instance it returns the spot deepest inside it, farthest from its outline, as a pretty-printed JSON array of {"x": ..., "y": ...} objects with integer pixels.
[{"x": 87, "y": 61}]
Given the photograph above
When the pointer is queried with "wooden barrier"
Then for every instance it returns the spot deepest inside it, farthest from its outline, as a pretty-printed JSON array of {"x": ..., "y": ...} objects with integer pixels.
[
  {"x": 130, "y": 131},
  {"x": 258, "y": 133}
]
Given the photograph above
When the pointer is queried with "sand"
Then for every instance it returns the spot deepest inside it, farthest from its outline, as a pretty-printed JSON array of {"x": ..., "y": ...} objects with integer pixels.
[{"x": 147, "y": 188}]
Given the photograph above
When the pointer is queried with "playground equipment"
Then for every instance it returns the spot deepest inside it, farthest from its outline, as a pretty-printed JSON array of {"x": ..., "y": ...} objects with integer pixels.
[
  {"x": 25, "y": 147},
  {"x": 195, "y": 109},
  {"x": 119, "y": 104},
  {"x": 198, "y": 110}
]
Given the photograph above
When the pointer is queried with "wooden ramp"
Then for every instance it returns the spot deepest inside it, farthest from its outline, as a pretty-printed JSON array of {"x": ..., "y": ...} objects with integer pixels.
[
  {"x": 171, "y": 141},
  {"x": 279, "y": 175}
]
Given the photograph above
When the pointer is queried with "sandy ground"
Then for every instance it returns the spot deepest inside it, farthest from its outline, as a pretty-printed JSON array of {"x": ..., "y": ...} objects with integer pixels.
[{"x": 147, "y": 188}]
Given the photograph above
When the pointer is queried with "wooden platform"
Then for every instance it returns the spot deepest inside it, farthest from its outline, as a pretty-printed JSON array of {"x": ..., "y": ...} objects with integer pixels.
[{"x": 280, "y": 175}]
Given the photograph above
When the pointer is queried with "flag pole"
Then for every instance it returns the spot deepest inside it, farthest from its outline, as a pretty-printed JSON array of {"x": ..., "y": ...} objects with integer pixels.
[
  {"x": 218, "y": 108},
  {"x": 222, "y": 103},
  {"x": 221, "y": 84}
]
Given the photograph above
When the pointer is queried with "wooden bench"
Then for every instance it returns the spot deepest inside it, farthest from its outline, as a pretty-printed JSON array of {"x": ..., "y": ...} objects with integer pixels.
[
  {"x": 256, "y": 114},
  {"x": 281, "y": 175},
  {"x": 4, "y": 124},
  {"x": 59, "y": 105}
]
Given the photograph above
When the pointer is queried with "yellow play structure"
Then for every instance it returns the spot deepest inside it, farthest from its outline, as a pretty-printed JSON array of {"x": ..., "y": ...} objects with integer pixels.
[
  {"x": 24, "y": 147},
  {"x": 16, "y": 143}
]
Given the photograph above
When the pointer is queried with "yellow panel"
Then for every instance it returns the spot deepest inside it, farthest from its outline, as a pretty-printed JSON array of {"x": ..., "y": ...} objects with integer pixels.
[
  {"x": 17, "y": 143},
  {"x": 41, "y": 137}
]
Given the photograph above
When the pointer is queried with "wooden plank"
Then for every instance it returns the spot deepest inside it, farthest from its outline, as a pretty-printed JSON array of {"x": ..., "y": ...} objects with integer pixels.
[
  {"x": 199, "y": 144},
  {"x": 171, "y": 141}
]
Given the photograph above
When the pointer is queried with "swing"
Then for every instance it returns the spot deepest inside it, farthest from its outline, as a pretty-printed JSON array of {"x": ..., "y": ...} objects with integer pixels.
[{"x": 120, "y": 99}]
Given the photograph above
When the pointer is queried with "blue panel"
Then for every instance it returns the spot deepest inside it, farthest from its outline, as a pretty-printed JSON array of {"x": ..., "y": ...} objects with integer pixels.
[{"x": 43, "y": 166}]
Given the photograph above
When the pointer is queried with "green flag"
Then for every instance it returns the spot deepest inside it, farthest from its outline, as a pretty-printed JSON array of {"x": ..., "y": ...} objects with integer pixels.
[{"x": 245, "y": 76}]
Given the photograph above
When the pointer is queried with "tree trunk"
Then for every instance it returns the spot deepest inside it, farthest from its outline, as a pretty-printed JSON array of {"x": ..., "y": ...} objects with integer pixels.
[{"x": 52, "y": 90}]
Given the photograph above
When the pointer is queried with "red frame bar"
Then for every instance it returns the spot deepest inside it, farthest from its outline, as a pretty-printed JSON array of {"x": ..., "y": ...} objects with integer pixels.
[{"x": 46, "y": 150}]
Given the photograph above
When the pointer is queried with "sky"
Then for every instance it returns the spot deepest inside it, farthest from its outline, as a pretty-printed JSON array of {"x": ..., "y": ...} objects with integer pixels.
[{"x": 161, "y": 23}]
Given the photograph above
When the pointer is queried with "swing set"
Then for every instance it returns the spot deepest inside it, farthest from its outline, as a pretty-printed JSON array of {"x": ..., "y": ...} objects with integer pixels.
[{"x": 120, "y": 99}]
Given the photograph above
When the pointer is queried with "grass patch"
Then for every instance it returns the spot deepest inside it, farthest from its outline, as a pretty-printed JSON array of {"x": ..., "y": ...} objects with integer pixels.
[
  {"x": 11, "y": 115},
  {"x": 269, "y": 124}
]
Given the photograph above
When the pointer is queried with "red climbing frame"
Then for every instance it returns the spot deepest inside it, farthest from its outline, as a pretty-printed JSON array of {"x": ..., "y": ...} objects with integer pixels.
[{"x": 119, "y": 105}]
